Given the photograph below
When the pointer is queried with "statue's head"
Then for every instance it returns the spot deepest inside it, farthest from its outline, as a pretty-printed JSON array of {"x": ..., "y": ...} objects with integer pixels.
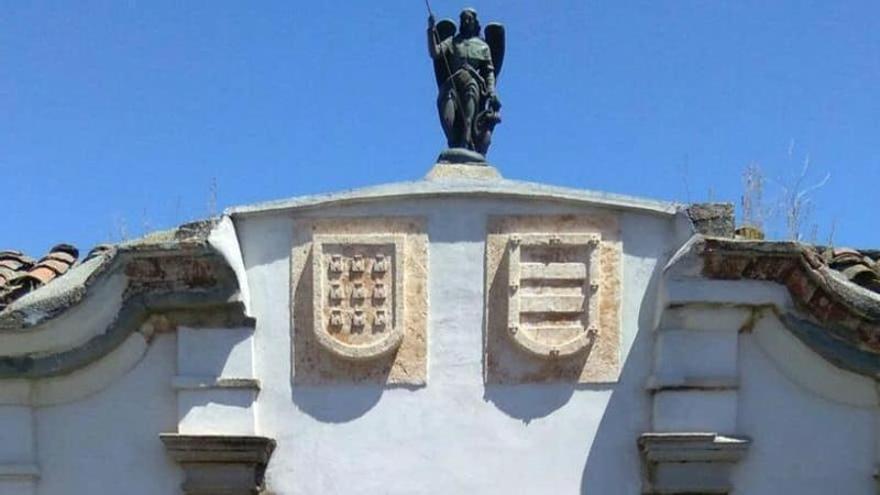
[{"x": 468, "y": 24}]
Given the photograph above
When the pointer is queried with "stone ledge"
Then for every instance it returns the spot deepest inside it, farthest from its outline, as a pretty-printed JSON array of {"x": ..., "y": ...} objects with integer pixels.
[
  {"x": 190, "y": 382},
  {"x": 692, "y": 447},
  {"x": 220, "y": 464},
  {"x": 719, "y": 383},
  {"x": 218, "y": 448},
  {"x": 689, "y": 462},
  {"x": 19, "y": 472}
]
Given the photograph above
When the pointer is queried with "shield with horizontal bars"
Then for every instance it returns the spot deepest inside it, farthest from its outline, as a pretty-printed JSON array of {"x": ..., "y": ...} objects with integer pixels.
[{"x": 553, "y": 293}]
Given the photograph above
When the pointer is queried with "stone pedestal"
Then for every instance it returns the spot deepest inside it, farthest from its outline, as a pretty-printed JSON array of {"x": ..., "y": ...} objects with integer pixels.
[
  {"x": 442, "y": 171},
  {"x": 220, "y": 464}
]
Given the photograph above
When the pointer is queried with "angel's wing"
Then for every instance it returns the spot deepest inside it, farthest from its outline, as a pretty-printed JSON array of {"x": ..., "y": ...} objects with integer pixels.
[
  {"x": 496, "y": 40},
  {"x": 445, "y": 29}
]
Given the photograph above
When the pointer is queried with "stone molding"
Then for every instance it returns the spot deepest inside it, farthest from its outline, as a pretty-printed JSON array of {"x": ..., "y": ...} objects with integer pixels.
[
  {"x": 836, "y": 318},
  {"x": 141, "y": 260},
  {"x": 220, "y": 464},
  {"x": 118, "y": 302},
  {"x": 816, "y": 289},
  {"x": 689, "y": 462},
  {"x": 176, "y": 278},
  {"x": 144, "y": 316},
  {"x": 787, "y": 336}
]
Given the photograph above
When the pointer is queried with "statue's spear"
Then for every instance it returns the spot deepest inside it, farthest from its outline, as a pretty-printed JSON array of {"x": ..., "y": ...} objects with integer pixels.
[{"x": 445, "y": 62}]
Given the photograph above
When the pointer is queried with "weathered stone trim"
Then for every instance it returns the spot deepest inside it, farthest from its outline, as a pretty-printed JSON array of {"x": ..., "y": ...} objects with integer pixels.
[
  {"x": 220, "y": 464},
  {"x": 849, "y": 312},
  {"x": 37, "y": 308},
  {"x": 177, "y": 279},
  {"x": 769, "y": 317}
]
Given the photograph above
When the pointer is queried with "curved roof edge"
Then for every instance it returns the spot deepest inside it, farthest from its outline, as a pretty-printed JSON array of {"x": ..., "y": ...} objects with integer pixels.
[
  {"x": 446, "y": 186},
  {"x": 174, "y": 277},
  {"x": 53, "y": 300},
  {"x": 816, "y": 289},
  {"x": 833, "y": 316}
]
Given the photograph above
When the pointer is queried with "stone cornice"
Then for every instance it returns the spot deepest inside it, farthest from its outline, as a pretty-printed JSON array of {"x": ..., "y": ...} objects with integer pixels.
[
  {"x": 171, "y": 278},
  {"x": 850, "y": 312},
  {"x": 462, "y": 187},
  {"x": 836, "y": 318}
]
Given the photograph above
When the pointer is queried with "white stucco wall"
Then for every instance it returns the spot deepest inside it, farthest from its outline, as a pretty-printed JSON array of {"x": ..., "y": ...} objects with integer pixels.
[
  {"x": 803, "y": 442},
  {"x": 108, "y": 442},
  {"x": 456, "y": 435}
]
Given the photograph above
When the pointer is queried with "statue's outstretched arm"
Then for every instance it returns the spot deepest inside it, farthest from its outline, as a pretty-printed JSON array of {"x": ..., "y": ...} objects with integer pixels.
[{"x": 433, "y": 47}]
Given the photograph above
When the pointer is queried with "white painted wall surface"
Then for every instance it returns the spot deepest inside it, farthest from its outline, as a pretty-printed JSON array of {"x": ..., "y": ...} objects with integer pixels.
[
  {"x": 206, "y": 357},
  {"x": 108, "y": 442},
  {"x": 455, "y": 435},
  {"x": 802, "y": 443}
]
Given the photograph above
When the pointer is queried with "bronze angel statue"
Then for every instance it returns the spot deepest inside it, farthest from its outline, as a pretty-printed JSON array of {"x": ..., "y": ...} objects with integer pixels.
[{"x": 466, "y": 67}]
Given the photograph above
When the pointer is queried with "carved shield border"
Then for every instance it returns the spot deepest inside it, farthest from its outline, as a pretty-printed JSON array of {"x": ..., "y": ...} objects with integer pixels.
[
  {"x": 588, "y": 334},
  {"x": 393, "y": 336}
]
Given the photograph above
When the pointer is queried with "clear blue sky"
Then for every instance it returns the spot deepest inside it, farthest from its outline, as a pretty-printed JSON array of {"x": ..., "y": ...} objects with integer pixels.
[{"x": 118, "y": 116}]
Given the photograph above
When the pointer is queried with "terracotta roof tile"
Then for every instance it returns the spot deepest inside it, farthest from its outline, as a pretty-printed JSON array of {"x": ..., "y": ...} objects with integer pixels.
[
  {"x": 19, "y": 274},
  {"x": 856, "y": 266},
  {"x": 13, "y": 264}
]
